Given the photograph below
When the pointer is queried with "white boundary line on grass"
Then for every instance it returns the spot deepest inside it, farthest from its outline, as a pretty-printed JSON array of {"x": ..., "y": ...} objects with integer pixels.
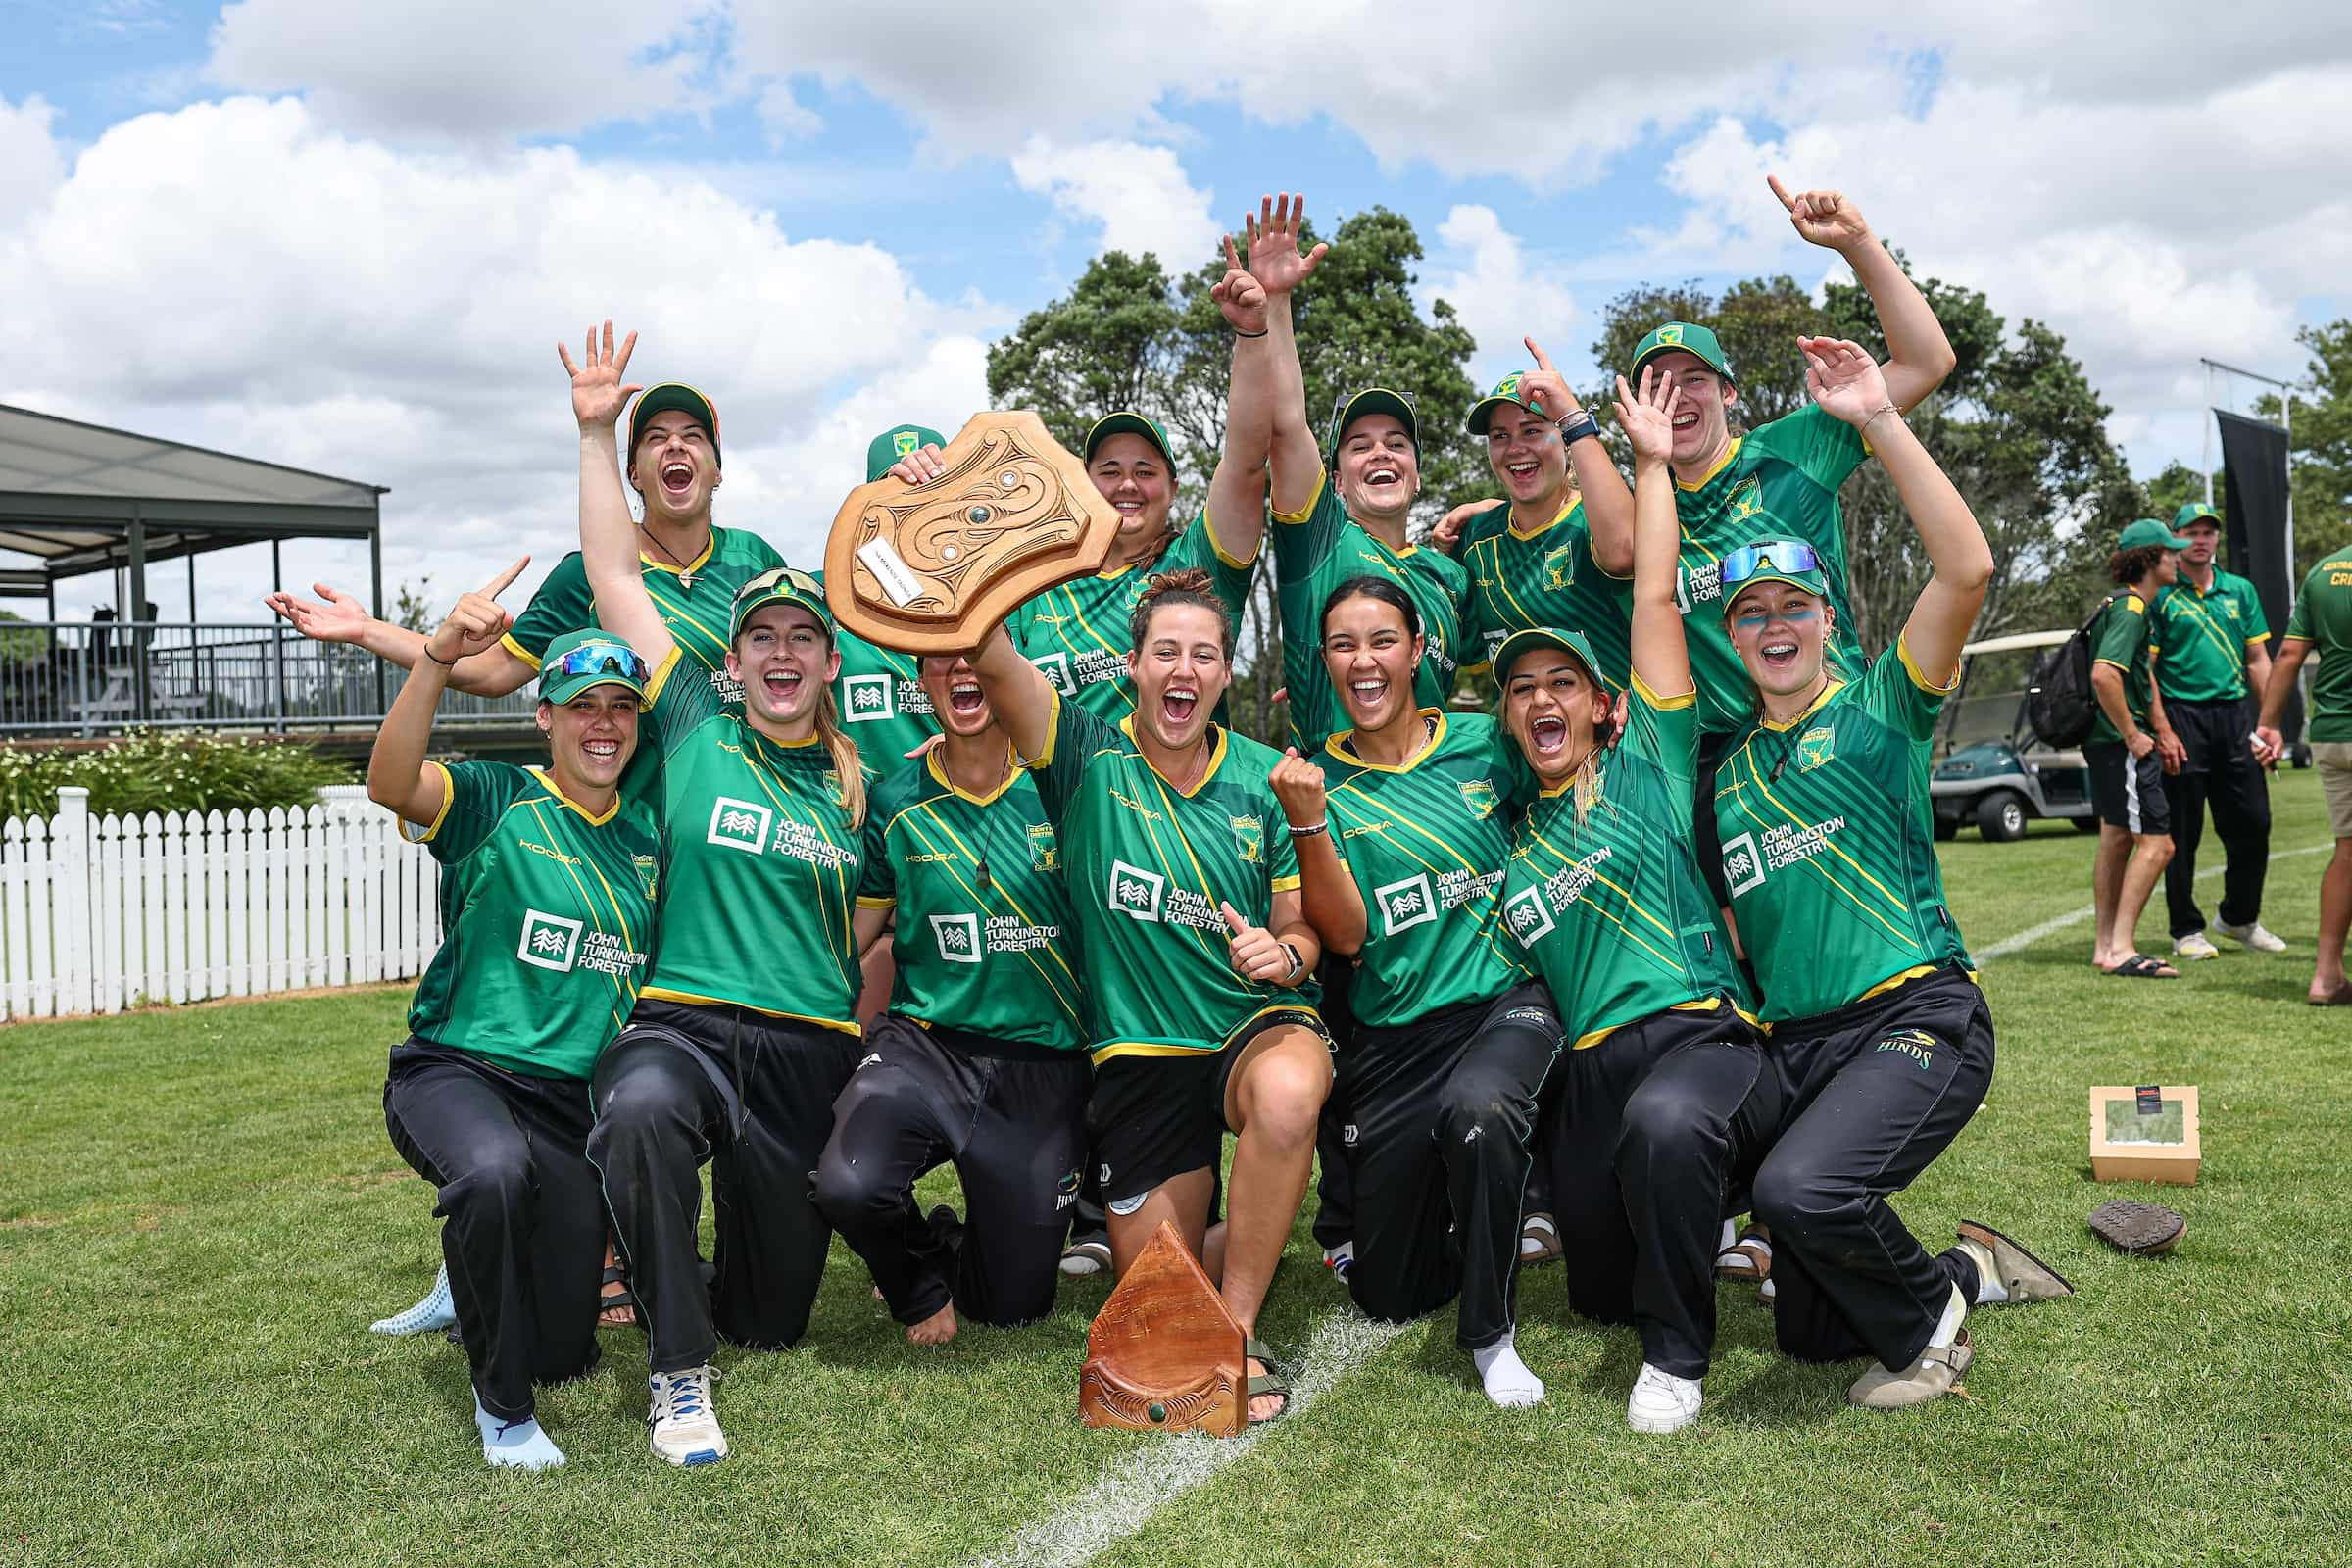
[{"x": 1133, "y": 1491}]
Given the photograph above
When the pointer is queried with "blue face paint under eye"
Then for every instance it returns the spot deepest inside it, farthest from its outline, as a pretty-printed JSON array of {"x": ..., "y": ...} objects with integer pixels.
[{"x": 1795, "y": 618}]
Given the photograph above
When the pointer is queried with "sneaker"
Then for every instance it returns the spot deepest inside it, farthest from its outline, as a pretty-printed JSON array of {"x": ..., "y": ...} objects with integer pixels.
[
  {"x": 436, "y": 1311},
  {"x": 684, "y": 1421},
  {"x": 1340, "y": 1260},
  {"x": 1933, "y": 1375},
  {"x": 1088, "y": 1255},
  {"x": 1661, "y": 1402},
  {"x": 2023, "y": 1278},
  {"x": 1768, "y": 1292},
  {"x": 2252, "y": 935},
  {"x": 2195, "y": 945}
]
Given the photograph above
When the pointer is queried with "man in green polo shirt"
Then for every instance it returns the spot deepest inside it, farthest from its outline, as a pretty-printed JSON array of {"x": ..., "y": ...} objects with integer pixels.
[
  {"x": 2212, "y": 649},
  {"x": 2323, "y": 621},
  {"x": 2126, "y": 776}
]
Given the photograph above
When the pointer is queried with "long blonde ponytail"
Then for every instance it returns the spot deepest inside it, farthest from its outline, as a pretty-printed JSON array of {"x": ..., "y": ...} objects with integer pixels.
[{"x": 847, "y": 764}]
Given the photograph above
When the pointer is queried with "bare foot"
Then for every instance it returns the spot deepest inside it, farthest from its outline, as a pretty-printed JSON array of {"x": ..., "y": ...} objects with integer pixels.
[
  {"x": 937, "y": 1329},
  {"x": 1266, "y": 1406}
]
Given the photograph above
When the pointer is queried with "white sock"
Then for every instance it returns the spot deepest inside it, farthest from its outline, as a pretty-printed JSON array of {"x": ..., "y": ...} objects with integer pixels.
[
  {"x": 515, "y": 1444},
  {"x": 1948, "y": 1327},
  {"x": 1730, "y": 1238},
  {"x": 1508, "y": 1382},
  {"x": 1989, "y": 1290}
]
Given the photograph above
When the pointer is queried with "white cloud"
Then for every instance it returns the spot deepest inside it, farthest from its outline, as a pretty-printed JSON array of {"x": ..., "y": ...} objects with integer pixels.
[
  {"x": 30, "y": 165},
  {"x": 1138, "y": 195},
  {"x": 454, "y": 67},
  {"x": 1502, "y": 296}
]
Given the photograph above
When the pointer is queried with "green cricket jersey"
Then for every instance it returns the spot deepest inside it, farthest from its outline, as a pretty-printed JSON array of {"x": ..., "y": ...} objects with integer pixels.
[
  {"x": 1827, "y": 849},
  {"x": 983, "y": 938},
  {"x": 1613, "y": 909},
  {"x": 1545, "y": 578},
  {"x": 1424, "y": 843},
  {"x": 760, "y": 864},
  {"x": 547, "y": 914},
  {"x": 697, "y": 617},
  {"x": 2202, "y": 637},
  {"x": 1778, "y": 481},
  {"x": 1314, "y": 551},
  {"x": 1148, "y": 865},
  {"x": 1077, "y": 633},
  {"x": 880, "y": 697},
  {"x": 2322, "y": 616},
  {"x": 2124, "y": 638}
]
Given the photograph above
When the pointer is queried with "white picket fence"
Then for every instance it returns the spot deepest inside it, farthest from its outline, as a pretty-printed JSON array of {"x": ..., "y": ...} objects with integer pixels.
[{"x": 102, "y": 913}]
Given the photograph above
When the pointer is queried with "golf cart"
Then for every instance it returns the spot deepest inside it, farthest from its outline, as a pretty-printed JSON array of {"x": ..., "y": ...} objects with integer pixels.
[{"x": 1993, "y": 769}]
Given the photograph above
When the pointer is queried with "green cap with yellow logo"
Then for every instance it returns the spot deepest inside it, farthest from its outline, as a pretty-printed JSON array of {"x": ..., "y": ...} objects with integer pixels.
[
  {"x": 674, "y": 397},
  {"x": 1125, "y": 422},
  {"x": 2194, "y": 511},
  {"x": 780, "y": 585},
  {"x": 1688, "y": 336},
  {"x": 1529, "y": 639},
  {"x": 1506, "y": 392},
  {"x": 899, "y": 441}
]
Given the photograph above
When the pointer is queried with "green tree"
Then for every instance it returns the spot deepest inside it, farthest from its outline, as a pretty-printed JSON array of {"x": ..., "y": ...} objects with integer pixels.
[
  {"x": 2322, "y": 426},
  {"x": 2179, "y": 484},
  {"x": 413, "y": 605}
]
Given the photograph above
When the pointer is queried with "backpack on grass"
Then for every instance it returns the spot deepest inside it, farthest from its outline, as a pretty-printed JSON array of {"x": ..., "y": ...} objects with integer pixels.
[{"x": 2060, "y": 704}]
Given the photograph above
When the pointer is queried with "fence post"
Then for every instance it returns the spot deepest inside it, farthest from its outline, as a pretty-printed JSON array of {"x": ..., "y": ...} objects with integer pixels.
[{"x": 70, "y": 882}]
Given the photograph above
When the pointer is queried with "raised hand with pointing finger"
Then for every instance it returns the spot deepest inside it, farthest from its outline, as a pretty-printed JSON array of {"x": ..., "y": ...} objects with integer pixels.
[
  {"x": 1257, "y": 953},
  {"x": 476, "y": 621},
  {"x": 1544, "y": 390},
  {"x": 1823, "y": 217}
]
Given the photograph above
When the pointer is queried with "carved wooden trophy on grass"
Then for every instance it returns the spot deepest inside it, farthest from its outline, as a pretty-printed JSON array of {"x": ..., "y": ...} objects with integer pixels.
[{"x": 1163, "y": 1354}]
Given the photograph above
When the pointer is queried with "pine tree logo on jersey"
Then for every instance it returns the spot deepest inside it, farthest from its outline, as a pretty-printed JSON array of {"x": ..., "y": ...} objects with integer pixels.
[
  {"x": 1526, "y": 914},
  {"x": 1742, "y": 863},
  {"x": 739, "y": 824},
  {"x": 1249, "y": 838},
  {"x": 958, "y": 936},
  {"x": 1409, "y": 903},
  {"x": 1560, "y": 567},
  {"x": 1135, "y": 892},
  {"x": 1479, "y": 795},
  {"x": 549, "y": 941},
  {"x": 649, "y": 872},
  {"x": 865, "y": 698},
  {"x": 1814, "y": 747},
  {"x": 1045, "y": 850},
  {"x": 1057, "y": 668}
]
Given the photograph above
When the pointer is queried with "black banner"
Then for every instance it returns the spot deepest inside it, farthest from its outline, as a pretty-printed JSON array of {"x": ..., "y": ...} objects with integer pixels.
[{"x": 2254, "y": 468}]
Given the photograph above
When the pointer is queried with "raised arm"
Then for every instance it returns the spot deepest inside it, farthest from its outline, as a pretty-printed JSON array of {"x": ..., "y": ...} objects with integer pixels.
[
  {"x": 1280, "y": 386},
  {"x": 1237, "y": 490},
  {"x": 1918, "y": 354},
  {"x": 338, "y": 618},
  {"x": 1329, "y": 897},
  {"x": 1608, "y": 504},
  {"x": 1844, "y": 380},
  {"x": 397, "y": 775},
  {"x": 1661, "y": 653},
  {"x": 1017, "y": 693},
  {"x": 608, "y": 534}
]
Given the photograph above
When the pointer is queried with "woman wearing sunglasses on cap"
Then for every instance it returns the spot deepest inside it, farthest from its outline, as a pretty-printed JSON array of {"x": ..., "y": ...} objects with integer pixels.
[
  {"x": 1401, "y": 825},
  {"x": 1666, "y": 1089},
  {"x": 745, "y": 1031},
  {"x": 548, "y": 877},
  {"x": 1883, "y": 1042}
]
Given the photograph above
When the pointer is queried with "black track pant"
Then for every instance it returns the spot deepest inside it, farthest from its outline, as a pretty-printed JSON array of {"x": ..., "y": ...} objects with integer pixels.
[
  {"x": 1875, "y": 1091},
  {"x": 1012, "y": 1116},
  {"x": 1656, "y": 1122},
  {"x": 524, "y": 1228},
  {"x": 1444, "y": 1113},
  {"x": 1335, "y": 1197},
  {"x": 2221, "y": 772},
  {"x": 752, "y": 1094}
]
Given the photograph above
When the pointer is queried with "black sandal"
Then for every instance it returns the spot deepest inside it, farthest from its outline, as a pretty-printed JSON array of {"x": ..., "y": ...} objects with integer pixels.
[
  {"x": 1274, "y": 1381},
  {"x": 2139, "y": 966},
  {"x": 616, "y": 1298}
]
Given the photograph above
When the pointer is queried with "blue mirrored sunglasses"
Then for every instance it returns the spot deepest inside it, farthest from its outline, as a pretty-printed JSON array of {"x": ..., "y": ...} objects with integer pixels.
[
  {"x": 1774, "y": 555},
  {"x": 615, "y": 659}
]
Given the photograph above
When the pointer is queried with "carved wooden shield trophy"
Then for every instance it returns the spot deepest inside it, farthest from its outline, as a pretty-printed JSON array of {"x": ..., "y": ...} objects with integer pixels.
[
  {"x": 1163, "y": 1354},
  {"x": 929, "y": 568}
]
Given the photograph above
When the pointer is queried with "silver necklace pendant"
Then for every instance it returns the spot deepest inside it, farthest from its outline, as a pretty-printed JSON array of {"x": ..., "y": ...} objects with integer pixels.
[{"x": 686, "y": 581}]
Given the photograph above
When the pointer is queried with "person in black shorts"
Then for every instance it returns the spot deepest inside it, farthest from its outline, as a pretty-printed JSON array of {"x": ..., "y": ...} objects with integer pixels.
[{"x": 2127, "y": 771}]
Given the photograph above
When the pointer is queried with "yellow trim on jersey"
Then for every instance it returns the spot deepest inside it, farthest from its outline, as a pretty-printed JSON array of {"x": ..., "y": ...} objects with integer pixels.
[
  {"x": 1322, "y": 483},
  {"x": 1586, "y": 1042},
  {"x": 1158, "y": 1048},
  {"x": 590, "y": 818},
  {"x": 448, "y": 797},
  {"x": 660, "y": 675},
  {"x": 1421, "y": 753},
  {"x": 2112, "y": 664},
  {"x": 1814, "y": 707},
  {"x": 869, "y": 900},
  {"x": 939, "y": 774},
  {"x": 710, "y": 544},
  {"x": 1044, "y": 757},
  {"x": 1728, "y": 453},
  {"x": 1284, "y": 884},
  {"x": 1214, "y": 544},
  {"x": 2296, "y": 637},
  {"x": 1510, "y": 520},
  {"x": 1216, "y": 758},
  {"x": 2256, "y": 640},
  {"x": 1919, "y": 678},
  {"x": 1664, "y": 704},
  {"x": 2132, "y": 602},
  {"x": 509, "y": 643},
  {"x": 691, "y": 1000}
]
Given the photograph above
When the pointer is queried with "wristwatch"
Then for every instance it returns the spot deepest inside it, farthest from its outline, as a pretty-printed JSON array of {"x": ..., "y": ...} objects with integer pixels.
[{"x": 1577, "y": 426}]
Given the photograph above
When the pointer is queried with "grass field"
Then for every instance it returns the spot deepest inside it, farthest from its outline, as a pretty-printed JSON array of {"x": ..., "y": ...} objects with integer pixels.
[{"x": 200, "y": 1213}]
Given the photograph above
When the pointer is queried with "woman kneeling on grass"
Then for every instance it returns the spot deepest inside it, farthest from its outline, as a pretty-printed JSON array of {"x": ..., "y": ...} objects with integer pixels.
[
  {"x": 1667, "y": 1088},
  {"x": 1402, "y": 833},
  {"x": 1883, "y": 1040},
  {"x": 547, "y": 895},
  {"x": 1184, "y": 891}
]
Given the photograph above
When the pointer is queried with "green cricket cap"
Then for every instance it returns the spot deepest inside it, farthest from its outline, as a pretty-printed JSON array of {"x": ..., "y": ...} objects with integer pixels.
[
  {"x": 2148, "y": 531},
  {"x": 1504, "y": 391},
  {"x": 580, "y": 660},
  {"x": 2195, "y": 511},
  {"x": 780, "y": 585},
  {"x": 1375, "y": 400},
  {"x": 1532, "y": 638},
  {"x": 1125, "y": 422},
  {"x": 679, "y": 397},
  {"x": 1688, "y": 336},
  {"x": 897, "y": 442}
]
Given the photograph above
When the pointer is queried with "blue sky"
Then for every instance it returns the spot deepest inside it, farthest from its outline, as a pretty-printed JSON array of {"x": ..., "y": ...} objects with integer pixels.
[{"x": 368, "y": 225}]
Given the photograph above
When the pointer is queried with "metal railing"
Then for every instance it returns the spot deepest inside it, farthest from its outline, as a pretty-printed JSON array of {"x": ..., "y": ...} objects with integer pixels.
[{"x": 98, "y": 678}]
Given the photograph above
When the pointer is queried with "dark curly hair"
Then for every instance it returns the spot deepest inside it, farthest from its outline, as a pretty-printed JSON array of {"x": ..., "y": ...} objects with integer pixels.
[{"x": 1168, "y": 588}]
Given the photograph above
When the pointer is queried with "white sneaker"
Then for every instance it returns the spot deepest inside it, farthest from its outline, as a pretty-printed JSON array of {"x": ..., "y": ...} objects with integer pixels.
[
  {"x": 685, "y": 1423},
  {"x": 1340, "y": 1258},
  {"x": 1661, "y": 1402},
  {"x": 2252, "y": 935},
  {"x": 2195, "y": 945}
]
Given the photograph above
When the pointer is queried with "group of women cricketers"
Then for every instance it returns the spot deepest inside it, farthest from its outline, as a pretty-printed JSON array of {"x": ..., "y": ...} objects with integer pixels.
[{"x": 1656, "y": 922}]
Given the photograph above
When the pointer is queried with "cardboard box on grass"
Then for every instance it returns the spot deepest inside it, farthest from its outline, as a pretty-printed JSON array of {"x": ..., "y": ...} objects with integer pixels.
[{"x": 2145, "y": 1134}]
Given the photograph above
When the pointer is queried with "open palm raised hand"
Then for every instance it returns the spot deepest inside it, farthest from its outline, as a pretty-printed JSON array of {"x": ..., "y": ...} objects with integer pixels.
[
  {"x": 1647, "y": 417},
  {"x": 598, "y": 393},
  {"x": 1273, "y": 234},
  {"x": 1844, "y": 379},
  {"x": 336, "y": 617}
]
